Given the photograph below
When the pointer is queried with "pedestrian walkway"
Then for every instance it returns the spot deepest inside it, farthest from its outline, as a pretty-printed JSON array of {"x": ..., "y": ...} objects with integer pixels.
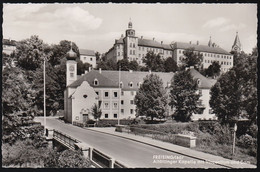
[{"x": 209, "y": 158}]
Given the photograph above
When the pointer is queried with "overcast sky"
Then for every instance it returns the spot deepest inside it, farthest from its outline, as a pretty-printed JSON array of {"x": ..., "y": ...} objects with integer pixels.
[{"x": 96, "y": 26}]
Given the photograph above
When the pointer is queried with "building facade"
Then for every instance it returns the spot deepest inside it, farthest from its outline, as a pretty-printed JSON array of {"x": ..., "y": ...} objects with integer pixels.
[
  {"x": 114, "y": 93},
  {"x": 133, "y": 48},
  {"x": 88, "y": 56},
  {"x": 9, "y": 46}
]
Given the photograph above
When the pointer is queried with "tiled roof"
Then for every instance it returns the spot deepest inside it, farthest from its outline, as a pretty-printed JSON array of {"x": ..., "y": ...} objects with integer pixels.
[
  {"x": 135, "y": 77},
  {"x": 109, "y": 79},
  {"x": 120, "y": 41},
  {"x": 9, "y": 42},
  {"x": 201, "y": 48},
  {"x": 87, "y": 52},
  {"x": 149, "y": 43},
  {"x": 205, "y": 82},
  {"x": 90, "y": 77}
]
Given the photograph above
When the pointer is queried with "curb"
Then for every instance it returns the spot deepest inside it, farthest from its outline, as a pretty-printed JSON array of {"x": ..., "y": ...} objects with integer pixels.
[{"x": 227, "y": 166}]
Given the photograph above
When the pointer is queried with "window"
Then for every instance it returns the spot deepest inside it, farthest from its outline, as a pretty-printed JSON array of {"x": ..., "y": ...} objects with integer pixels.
[
  {"x": 115, "y": 94},
  {"x": 122, "y": 111},
  {"x": 139, "y": 55},
  {"x": 139, "y": 48},
  {"x": 130, "y": 44},
  {"x": 71, "y": 75},
  {"x": 122, "y": 93},
  {"x": 95, "y": 81},
  {"x": 90, "y": 59},
  {"x": 130, "y": 84},
  {"x": 131, "y": 111},
  {"x": 85, "y": 58},
  {"x": 131, "y": 102},
  {"x": 132, "y": 93},
  {"x": 118, "y": 53},
  {"x": 115, "y": 105},
  {"x": 122, "y": 102},
  {"x": 106, "y": 105},
  {"x": 121, "y": 84},
  {"x": 143, "y": 48},
  {"x": 134, "y": 45},
  {"x": 115, "y": 115},
  {"x": 200, "y": 92},
  {"x": 131, "y": 52},
  {"x": 85, "y": 96},
  {"x": 97, "y": 92},
  {"x": 106, "y": 115},
  {"x": 106, "y": 94}
]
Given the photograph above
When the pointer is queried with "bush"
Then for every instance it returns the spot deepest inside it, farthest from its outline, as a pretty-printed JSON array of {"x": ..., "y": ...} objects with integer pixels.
[
  {"x": 72, "y": 159},
  {"x": 113, "y": 122}
]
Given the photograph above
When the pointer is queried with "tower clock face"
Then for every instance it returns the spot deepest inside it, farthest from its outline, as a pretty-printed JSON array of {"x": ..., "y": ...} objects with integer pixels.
[
  {"x": 235, "y": 48},
  {"x": 71, "y": 68}
]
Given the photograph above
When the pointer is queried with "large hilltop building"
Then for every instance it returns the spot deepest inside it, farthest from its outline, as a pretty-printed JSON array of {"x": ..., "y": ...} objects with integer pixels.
[
  {"x": 114, "y": 92},
  {"x": 132, "y": 48}
]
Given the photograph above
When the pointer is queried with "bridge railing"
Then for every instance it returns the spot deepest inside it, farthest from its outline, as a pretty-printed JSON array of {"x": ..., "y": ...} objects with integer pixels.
[{"x": 65, "y": 139}]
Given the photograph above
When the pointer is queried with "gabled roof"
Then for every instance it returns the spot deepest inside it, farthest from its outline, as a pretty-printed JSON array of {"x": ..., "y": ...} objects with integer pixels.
[
  {"x": 90, "y": 77},
  {"x": 87, "y": 52},
  {"x": 149, "y": 43},
  {"x": 206, "y": 83},
  {"x": 120, "y": 41},
  {"x": 200, "y": 48},
  {"x": 9, "y": 42},
  {"x": 237, "y": 41},
  {"x": 135, "y": 77}
]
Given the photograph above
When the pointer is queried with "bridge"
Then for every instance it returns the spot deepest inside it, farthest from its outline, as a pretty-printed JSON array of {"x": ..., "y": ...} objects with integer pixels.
[{"x": 107, "y": 150}]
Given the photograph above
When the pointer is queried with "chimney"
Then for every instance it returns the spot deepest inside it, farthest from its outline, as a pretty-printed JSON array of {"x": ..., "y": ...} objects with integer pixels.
[
  {"x": 186, "y": 68},
  {"x": 131, "y": 71},
  {"x": 198, "y": 42},
  {"x": 190, "y": 42},
  {"x": 100, "y": 70},
  {"x": 89, "y": 68},
  {"x": 150, "y": 71},
  {"x": 141, "y": 37},
  {"x": 161, "y": 42},
  {"x": 153, "y": 39}
]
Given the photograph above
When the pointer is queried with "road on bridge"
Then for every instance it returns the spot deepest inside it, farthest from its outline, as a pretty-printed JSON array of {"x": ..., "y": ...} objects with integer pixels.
[{"x": 131, "y": 153}]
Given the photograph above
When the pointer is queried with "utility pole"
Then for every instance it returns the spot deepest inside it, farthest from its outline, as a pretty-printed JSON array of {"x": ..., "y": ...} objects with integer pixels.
[
  {"x": 119, "y": 94},
  {"x": 44, "y": 97}
]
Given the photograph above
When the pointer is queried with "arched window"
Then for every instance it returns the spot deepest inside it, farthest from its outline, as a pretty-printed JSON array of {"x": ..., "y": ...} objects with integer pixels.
[{"x": 95, "y": 81}]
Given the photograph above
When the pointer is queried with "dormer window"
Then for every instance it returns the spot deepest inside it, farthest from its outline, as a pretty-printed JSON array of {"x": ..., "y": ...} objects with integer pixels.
[
  {"x": 95, "y": 81},
  {"x": 130, "y": 84},
  {"x": 121, "y": 84},
  {"x": 85, "y": 96},
  {"x": 198, "y": 82}
]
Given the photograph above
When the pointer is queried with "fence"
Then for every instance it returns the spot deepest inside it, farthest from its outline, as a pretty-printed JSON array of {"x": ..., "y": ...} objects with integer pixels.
[
  {"x": 79, "y": 124},
  {"x": 65, "y": 139}
]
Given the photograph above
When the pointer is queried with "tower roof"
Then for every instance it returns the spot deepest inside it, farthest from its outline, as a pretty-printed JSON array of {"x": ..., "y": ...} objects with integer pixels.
[
  {"x": 71, "y": 55},
  {"x": 237, "y": 41},
  {"x": 130, "y": 24}
]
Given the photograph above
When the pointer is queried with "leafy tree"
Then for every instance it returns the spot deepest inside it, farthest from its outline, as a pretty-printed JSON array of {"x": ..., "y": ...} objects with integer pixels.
[
  {"x": 192, "y": 58},
  {"x": 123, "y": 64},
  {"x": 107, "y": 65},
  {"x": 133, "y": 65},
  {"x": 184, "y": 98},
  {"x": 151, "y": 98},
  {"x": 154, "y": 62},
  {"x": 213, "y": 69},
  {"x": 96, "y": 112},
  {"x": 31, "y": 52},
  {"x": 234, "y": 95},
  {"x": 98, "y": 56},
  {"x": 170, "y": 65},
  {"x": 82, "y": 67}
]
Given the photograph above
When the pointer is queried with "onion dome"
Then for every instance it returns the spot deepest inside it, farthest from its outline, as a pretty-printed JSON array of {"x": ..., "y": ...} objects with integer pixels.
[
  {"x": 71, "y": 55},
  {"x": 130, "y": 25}
]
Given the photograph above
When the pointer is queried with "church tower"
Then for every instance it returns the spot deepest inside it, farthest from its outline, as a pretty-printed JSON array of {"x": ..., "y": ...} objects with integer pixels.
[
  {"x": 130, "y": 31},
  {"x": 71, "y": 67},
  {"x": 131, "y": 43},
  {"x": 237, "y": 45}
]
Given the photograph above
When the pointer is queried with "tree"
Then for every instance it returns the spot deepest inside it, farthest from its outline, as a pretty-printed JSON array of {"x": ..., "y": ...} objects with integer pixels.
[
  {"x": 82, "y": 67},
  {"x": 154, "y": 62},
  {"x": 184, "y": 98},
  {"x": 31, "y": 52},
  {"x": 107, "y": 65},
  {"x": 192, "y": 58},
  {"x": 133, "y": 65},
  {"x": 170, "y": 65},
  {"x": 98, "y": 56},
  {"x": 213, "y": 69},
  {"x": 234, "y": 95},
  {"x": 151, "y": 98},
  {"x": 96, "y": 112},
  {"x": 123, "y": 64}
]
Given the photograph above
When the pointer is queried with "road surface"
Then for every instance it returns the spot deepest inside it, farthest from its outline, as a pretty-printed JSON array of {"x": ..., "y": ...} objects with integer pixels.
[{"x": 131, "y": 153}]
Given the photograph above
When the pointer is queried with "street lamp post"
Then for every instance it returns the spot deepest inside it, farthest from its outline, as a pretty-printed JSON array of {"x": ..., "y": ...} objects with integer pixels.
[
  {"x": 44, "y": 98},
  {"x": 234, "y": 139},
  {"x": 119, "y": 95}
]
